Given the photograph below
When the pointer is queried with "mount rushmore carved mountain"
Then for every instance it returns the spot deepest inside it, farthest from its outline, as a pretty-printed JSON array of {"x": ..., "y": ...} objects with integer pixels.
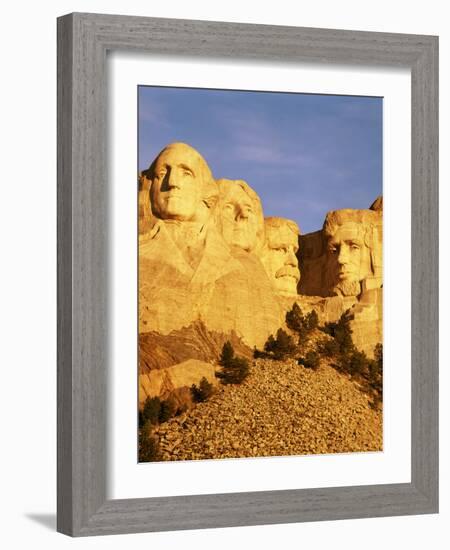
[{"x": 213, "y": 269}]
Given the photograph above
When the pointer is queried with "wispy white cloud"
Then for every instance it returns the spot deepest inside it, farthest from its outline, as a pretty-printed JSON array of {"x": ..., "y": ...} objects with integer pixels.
[{"x": 253, "y": 138}]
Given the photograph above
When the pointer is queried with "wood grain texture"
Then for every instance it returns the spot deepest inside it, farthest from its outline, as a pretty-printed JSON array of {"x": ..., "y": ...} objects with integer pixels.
[
  {"x": 64, "y": 252},
  {"x": 424, "y": 280},
  {"x": 83, "y": 206}
]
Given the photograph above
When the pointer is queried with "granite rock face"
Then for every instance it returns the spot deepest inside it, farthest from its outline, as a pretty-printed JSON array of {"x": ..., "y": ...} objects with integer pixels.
[
  {"x": 344, "y": 257},
  {"x": 157, "y": 351},
  {"x": 279, "y": 255},
  {"x": 209, "y": 259},
  {"x": 193, "y": 268},
  {"x": 239, "y": 215},
  {"x": 343, "y": 263}
]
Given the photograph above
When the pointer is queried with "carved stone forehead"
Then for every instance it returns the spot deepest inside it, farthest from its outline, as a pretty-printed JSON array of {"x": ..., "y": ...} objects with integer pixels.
[
  {"x": 236, "y": 193},
  {"x": 348, "y": 231},
  {"x": 281, "y": 226},
  {"x": 364, "y": 219},
  {"x": 237, "y": 189},
  {"x": 181, "y": 153},
  {"x": 281, "y": 236}
]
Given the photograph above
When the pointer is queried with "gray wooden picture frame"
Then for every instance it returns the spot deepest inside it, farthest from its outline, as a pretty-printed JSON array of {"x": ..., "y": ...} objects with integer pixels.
[{"x": 83, "y": 42}]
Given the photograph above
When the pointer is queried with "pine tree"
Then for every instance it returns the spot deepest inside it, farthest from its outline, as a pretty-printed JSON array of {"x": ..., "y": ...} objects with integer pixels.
[
  {"x": 284, "y": 345},
  {"x": 355, "y": 363},
  {"x": 310, "y": 361},
  {"x": 151, "y": 410},
  {"x": 378, "y": 353},
  {"x": 234, "y": 369},
  {"x": 342, "y": 333},
  {"x": 227, "y": 354},
  {"x": 303, "y": 325},
  {"x": 270, "y": 345},
  {"x": 202, "y": 392},
  {"x": 294, "y": 319},
  {"x": 312, "y": 320},
  {"x": 148, "y": 448},
  {"x": 166, "y": 411},
  {"x": 235, "y": 372}
]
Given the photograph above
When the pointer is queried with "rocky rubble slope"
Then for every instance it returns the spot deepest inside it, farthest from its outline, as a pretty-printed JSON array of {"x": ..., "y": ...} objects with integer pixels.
[{"x": 281, "y": 409}]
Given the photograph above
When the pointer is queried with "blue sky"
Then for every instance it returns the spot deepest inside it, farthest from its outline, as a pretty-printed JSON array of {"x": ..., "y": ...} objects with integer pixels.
[{"x": 304, "y": 154}]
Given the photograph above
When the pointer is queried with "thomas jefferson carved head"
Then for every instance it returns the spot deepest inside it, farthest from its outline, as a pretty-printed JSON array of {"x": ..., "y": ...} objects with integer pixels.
[
  {"x": 182, "y": 186},
  {"x": 279, "y": 254},
  {"x": 239, "y": 215},
  {"x": 353, "y": 248}
]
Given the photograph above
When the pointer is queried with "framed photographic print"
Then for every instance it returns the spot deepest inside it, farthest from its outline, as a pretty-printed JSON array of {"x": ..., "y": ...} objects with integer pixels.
[
  {"x": 247, "y": 333},
  {"x": 242, "y": 317}
]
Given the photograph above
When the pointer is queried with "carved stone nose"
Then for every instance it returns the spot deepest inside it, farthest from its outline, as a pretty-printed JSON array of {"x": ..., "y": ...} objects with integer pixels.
[
  {"x": 241, "y": 213},
  {"x": 291, "y": 261},
  {"x": 173, "y": 181},
  {"x": 343, "y": 255}
]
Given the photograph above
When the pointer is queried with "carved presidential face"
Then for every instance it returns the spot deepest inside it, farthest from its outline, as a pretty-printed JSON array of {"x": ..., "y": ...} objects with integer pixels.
[
  {"x": 240, "y": 216},
  {"x": 279, "y": 258},
  {"x": 348, "y": 258},
  {"x": 177, "y": 185}
]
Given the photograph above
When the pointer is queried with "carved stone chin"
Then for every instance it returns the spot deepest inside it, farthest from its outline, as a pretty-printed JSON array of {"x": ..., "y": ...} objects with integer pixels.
[{"x": 347, "y": 288}]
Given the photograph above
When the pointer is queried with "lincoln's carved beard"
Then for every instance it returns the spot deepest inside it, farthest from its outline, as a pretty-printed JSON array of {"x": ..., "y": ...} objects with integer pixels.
[
  {"x": 348, "y": 260},
  {"x": 347, "y": 288}
]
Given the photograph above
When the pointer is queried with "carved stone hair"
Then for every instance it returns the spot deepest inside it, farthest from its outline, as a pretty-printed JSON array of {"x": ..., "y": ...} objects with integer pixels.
[
  {"x": 366, "y": 219},
  {"x": 276, "y": 223}
]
